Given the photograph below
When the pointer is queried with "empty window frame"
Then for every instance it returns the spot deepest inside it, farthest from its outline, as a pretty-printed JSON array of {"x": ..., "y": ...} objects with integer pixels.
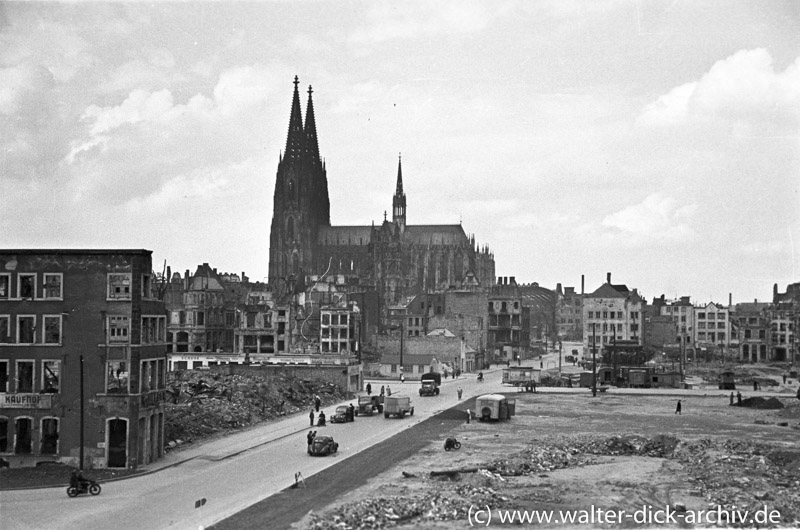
[
  {"x": 51, "y": 376},
  {"x": 5, "y": 286},
  {"x": 5, "y": 329},
  {"x": 3, "y": 378},
  {"x": 116, "y": 377},
  {"x": 49, "y": 436},
  {"x": 119, "y": 286},
  {"x": 53, "y": 285},
  {"x": 23, "y": 437},
  {"x": 24, "y": 377},
  {"x": 26, "y": 285},
  {"x": 52, "y": 329},
  {"x": 118, "y": 328},
  {"x": 26, "y": 326},
  {"x": 3, "y": 435}
]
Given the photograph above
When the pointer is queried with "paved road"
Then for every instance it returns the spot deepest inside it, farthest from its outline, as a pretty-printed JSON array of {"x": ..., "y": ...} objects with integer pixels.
[{"x": 230, "y": 474}]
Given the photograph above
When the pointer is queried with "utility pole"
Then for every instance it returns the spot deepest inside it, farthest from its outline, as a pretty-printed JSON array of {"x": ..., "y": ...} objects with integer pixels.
[
  {"x": 594, "y": 361},
  {"x": 80, "y": 452},
  {"x": 401, "y": 347}
]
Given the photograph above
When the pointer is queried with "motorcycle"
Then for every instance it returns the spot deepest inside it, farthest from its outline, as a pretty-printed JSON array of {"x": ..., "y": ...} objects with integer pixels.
[
  {"x": 451, "y": 443},
  {"x": 87, "y": 486}
]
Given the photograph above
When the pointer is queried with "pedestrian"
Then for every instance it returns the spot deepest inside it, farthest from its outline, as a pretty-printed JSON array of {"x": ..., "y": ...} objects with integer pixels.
[
  {"x": 388, "y": 390},
  {"x": 317, "y": 402},
  {"x": 311, "y": 417},
  {"x": 383, "y": 390},
  {"x": 369, "y": 389},
  {"x": 469, "y": 415},
  {"x": 731, "y": 399},
  {"x": 755, "y": 385},
  {"x": 678, "y": 408},
  {"x": 784, "y": 378},
  {"x": 310, "y": 437},
  {"x": 352, "y": 411},
  {"x": 508, "y": 363},
  {"x": 459, "y": 392},
  {"x": 798, "y": 393},
  {"x": 402, "y": 378},
  {"x": 739, "y": 398},
  {"x": 280, "y": 408}
]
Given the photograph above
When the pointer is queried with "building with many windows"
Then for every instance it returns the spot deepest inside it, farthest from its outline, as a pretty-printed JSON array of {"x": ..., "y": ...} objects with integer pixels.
[
  {"x": 611, "y": 313},
  {"x": 73, "y": 322}
]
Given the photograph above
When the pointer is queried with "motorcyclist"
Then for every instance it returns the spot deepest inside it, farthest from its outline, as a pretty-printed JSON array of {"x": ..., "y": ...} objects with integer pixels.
[
  {"x": 77, "y": 480},
  {"x": 321, "y": 420}
]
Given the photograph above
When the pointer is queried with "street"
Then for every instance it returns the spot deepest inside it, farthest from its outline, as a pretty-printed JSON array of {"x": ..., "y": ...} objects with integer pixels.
[{"x": 229, "y": 481}]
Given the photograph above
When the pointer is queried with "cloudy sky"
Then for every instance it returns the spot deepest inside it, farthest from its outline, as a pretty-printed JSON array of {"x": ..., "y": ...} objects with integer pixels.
[{"x": 657, "y": 140}]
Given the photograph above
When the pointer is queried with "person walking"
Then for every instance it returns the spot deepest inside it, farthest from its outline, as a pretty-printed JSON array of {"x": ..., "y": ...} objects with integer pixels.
[
  {"x": 369, "y": 389},
  {"x": 731, "y": 399},
  {"x": 755, "y": 385},
  {"x": 311, "y": 417},
  {"x": 388, "y": 390},
  {"x": 317, "y": 402},
  {"x": 383, "y": 390},
  {"x": 459, "y": 392},
  {"x": 310, "y": 437},
  {"x": 678, "y": 408},
  {"x": 739, "y": 398}
]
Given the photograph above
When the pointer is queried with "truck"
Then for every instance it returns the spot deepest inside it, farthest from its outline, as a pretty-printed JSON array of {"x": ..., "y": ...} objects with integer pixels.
[
  {"x": 430, "y": 384},
  {"x": 369, "y": 404},
  {"x": 522, "y": 377},
  {"x": 397, "y": 406},
  {"x": 495, "y": 407}
]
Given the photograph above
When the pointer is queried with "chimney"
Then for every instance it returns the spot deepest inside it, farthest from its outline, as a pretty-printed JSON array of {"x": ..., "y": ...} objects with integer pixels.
[
  {"x": 608, "y": 277},
  {"x": 505, "y": 280},
  {"x": 215, "y": 270},
  {"x": 582, "y": 281},
  {"x": 499, "y": 280},
  {"x": 513, "y": 280},
  {"x": 186, "y": 281},
  {"x": 730, "y": 299}
]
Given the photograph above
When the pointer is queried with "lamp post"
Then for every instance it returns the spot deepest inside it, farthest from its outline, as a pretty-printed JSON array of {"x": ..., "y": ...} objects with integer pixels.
[
  {"x": 594, "y": 361},
  {"x": 80, "y": 452},
  {"x": 401, "y": 349}
]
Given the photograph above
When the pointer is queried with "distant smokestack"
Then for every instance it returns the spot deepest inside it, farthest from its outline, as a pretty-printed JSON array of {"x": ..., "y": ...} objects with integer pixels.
[
  {"x": 499, "y": 280},
  {"x": 730, "y": 299},
  {"x": 608, "y": 277},
  {"x": 513, "y": 280},
  {"x": 582, "y": 281}
]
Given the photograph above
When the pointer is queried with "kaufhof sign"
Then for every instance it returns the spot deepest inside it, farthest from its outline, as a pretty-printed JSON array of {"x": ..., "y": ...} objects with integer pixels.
[{"x": 26, "y": 401}]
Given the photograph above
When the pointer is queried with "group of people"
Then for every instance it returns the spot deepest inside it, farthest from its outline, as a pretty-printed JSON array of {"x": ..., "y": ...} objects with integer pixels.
[
  {"x": 321, "y": 420},
  {"x": 384, "y": 390}
]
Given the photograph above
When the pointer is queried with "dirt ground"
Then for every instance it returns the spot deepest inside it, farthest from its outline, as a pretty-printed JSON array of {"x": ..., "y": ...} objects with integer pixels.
[{"x": 577, "y": 453}]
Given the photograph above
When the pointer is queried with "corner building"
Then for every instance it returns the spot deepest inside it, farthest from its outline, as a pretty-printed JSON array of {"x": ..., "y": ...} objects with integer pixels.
[
  {"x": 72, "y": 319},
  {"x": 394, "y": 258}
]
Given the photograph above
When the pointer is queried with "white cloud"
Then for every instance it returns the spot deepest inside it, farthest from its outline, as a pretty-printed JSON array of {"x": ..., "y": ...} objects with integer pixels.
[{"x": 742, "y": 87}]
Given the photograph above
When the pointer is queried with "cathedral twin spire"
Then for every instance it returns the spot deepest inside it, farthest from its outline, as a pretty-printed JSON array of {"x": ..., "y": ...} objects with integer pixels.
[{"x": 302, "y": 139}]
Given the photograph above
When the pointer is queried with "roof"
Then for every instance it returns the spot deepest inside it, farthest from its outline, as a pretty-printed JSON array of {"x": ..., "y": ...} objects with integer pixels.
[
  {"x": 344, "y": 235},
  {"x": 608, "y": 291},
  {"x": 435, "y": 234},
  {"x": 33, "y": 251},
  {"x": 440, "y": 332}
]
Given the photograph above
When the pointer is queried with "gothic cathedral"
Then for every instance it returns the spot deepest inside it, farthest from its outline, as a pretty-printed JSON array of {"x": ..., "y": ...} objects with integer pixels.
[{"x": 394, "y": 258}]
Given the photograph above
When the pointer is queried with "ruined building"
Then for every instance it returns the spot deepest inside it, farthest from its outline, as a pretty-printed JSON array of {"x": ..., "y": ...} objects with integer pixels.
[{"x": 394, "y": 258}]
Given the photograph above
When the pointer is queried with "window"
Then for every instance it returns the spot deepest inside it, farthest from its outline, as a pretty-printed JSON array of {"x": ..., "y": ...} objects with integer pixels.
[
  {"x": 590, "y": 314},
  {"x": 605, "y": 314},
  {"x": 51, "y": 376},
  {"x": 3, "y": 378},
  {"x": 118, "y": 329},
  {"x": 5, "y": 336},
  {"x": 251, "y": 320},
  {"x": 720, "y": 325},
  {"x": 200, "y": 318},
  {"x": 146, "y": 377},
  {"x": 720, "y": 316},
  {"x": 701, "y": 316},
  {"x": 52, "y": 329},
  {"x": 49, "y": 436},
  {"x": 24, "y": 377},
  {"x": 52, "y": 285},
  {"x": 26, "y": 324},
  {"x": 394, "y": 369},
  {"x": 146, "y": 292},
  {"x": 116, "y": 377},
  {"x": 3, "y": 435},
  {"x": 5, "y": 285},
  {"x": 119, "y": 286},
  {"x": 22, "y": 445},
  {"x": 326, "y": 319},
  {"x": 26, "y": 285}
]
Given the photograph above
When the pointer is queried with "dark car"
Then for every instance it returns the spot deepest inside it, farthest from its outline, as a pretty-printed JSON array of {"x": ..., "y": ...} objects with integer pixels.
[
  {"x": 342, "y": 415},
  {"x": 322, "y": 446}
]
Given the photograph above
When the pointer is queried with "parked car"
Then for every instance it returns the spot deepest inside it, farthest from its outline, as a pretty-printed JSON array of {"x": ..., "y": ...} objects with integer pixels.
[
  {"x": 342, "y": 415},
  {"x": 322, "y": 446}
]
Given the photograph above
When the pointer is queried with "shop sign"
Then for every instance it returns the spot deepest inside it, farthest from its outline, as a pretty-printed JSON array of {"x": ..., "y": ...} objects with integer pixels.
[{"x": 26, "y": 401}]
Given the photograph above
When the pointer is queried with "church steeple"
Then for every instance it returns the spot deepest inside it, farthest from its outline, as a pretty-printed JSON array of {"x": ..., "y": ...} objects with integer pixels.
[
  {"x": 294, "y": 139},
  {"x": 312, "y": 146},
  {"x": 399, "y": 199}
]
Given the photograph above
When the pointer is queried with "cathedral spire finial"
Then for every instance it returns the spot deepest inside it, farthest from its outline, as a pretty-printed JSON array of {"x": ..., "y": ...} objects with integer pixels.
[{"x": 294, "y": 139}]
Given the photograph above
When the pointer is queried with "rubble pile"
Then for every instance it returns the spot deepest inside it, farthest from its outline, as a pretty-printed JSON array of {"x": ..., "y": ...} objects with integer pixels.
[
  {"x": 383, "y": 512},
  {"x": 758, "y": 402},
  {"x": 202, "y": 403},
  {"x": 732, "y": 474}
]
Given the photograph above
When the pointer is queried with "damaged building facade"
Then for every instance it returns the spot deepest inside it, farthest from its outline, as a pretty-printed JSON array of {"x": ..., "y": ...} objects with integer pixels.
[{"x": 81, "y": 323}]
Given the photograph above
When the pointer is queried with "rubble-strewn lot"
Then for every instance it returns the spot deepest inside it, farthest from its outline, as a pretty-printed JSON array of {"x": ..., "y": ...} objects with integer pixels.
[
  {"x": 615, "y": 453},
  {"x": 204, "y": 403}
]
